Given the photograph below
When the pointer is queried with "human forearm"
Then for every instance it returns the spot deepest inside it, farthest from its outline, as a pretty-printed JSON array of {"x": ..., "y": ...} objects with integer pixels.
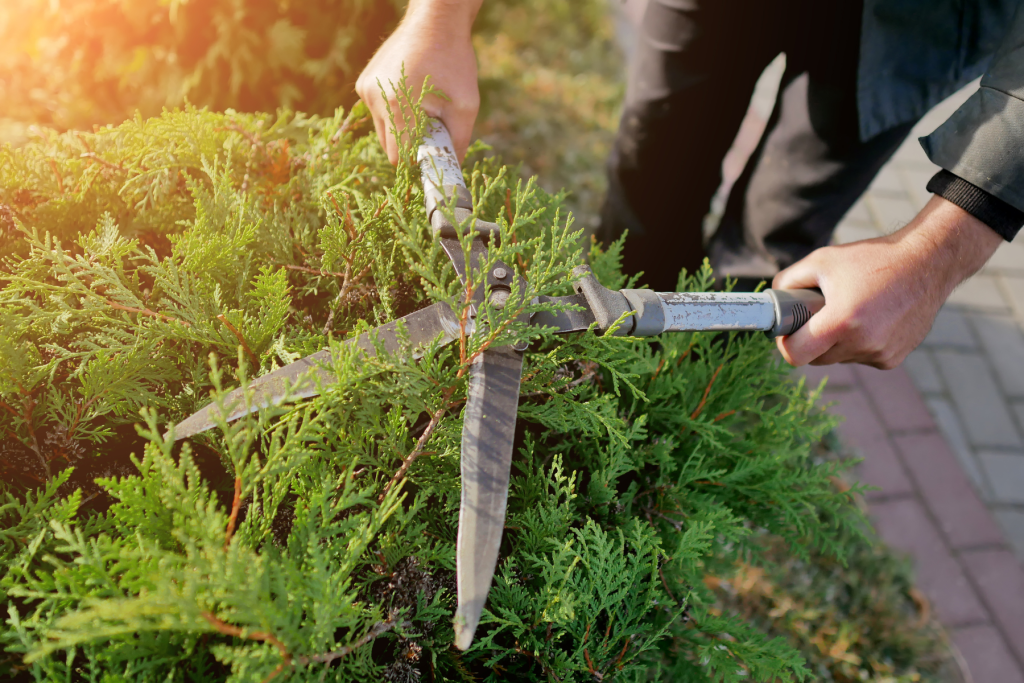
[
  {"x": 452, "y": 16},
  {"x": 949, "y": 242}
]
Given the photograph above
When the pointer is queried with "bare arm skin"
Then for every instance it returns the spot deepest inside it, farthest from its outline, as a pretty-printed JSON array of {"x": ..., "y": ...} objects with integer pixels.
[
  {"x": 883, "y": 294},
  {"x": 433, "y": 39}
]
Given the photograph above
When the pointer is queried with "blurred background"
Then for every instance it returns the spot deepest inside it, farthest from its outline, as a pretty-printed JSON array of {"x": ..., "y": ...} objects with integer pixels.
[{"x": 551, "y": 72}]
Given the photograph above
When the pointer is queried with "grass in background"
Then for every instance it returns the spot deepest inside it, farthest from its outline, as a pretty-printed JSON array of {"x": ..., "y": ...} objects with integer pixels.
[{"x": 551, "y": 80}]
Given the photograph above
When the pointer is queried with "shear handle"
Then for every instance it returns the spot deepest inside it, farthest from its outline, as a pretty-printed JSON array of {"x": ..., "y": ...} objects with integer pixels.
[
  {"x": 778, "y": 312},
  {"x": 444, "y": 185}
]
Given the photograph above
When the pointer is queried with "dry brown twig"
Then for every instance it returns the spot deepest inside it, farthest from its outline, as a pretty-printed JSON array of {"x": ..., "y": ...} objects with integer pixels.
[
  {"x": 287, "y": 659},
  {"x": 236, "y": 504},
  {"x": 417, "y": 451},
  {"x": 311, "y": 271},
  {"x": 241, "y": 340},
  {"x": 146, "y": 312}
]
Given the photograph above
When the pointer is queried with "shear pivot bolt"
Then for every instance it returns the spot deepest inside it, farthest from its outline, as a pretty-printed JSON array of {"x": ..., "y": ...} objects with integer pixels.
[
  {"x": 499, "y": 273},
  {"x": 499, "y": 298}
]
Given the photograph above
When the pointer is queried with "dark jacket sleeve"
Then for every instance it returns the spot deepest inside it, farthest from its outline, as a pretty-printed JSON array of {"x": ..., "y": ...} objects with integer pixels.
[{"x": 983, "y": 142}]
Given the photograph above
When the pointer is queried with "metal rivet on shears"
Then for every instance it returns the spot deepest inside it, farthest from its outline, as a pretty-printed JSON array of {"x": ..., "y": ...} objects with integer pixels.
[{"x": 499, "y": 273}]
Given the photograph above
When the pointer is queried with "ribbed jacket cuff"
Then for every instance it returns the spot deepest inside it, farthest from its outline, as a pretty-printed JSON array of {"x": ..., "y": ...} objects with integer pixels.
[{"x": 989, "y": 209}]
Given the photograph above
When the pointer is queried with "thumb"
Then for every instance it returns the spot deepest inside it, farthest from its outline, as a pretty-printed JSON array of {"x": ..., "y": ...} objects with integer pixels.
[{"x": 816, "y": 337}]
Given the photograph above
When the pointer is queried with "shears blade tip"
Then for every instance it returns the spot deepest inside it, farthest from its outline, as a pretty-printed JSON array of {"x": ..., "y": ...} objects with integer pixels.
[{"x": 466, "y": 620}]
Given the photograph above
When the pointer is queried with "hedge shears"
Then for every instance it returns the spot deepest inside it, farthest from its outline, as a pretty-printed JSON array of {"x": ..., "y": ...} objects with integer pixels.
[{"x": 493, "y": 388}]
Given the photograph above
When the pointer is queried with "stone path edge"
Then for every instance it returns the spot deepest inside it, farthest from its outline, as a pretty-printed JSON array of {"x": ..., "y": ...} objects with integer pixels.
[{"x": 924, "y": 506}]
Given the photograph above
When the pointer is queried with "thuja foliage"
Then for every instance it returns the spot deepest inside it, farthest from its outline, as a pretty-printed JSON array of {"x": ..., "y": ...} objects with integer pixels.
[{"x": 154, "y": 266}]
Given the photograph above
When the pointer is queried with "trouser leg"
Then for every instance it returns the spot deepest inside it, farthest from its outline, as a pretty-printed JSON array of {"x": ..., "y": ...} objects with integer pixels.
[
  {"x": 691, "y": 76},
  {"x": 810, "y": 166}
]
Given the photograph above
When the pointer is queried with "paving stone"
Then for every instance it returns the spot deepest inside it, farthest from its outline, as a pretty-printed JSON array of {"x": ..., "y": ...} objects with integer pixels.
[
  {"x": 1003, "y": 342},
  {"x": 921, "y": 368},
  {"x": 886, "y": 182},
  {"x": 895, "y": 397},
  {"x": 1005, "y": 474},
  {"x": 848, "y": 232},
  {"x": 839, "y": 376},
  {"x": 1000, "y": 580},
  {"x": 1013, "y": 287},
  {"x": 988, "y": 657},
  {"x": 911, "y": 155},
  {"x": 1012, "y": 522},
  {"x": 916, "y": 178},
  {"x": 947, "y": 492},
  {"x": 866, "y": 435},
  {"x": 950, "y": 329},
  {"x": 949, "y": 424},
  {"x": 982, "y": 408},
  {"x": 905, "y": 526},
  {"x": 1018, "y": 410},
  {"x": 858, "y": 213},
  {"x": 1009, "y": 257},
  {"x": 979, "y": 292},
  {"x": 891, "y": 211}
]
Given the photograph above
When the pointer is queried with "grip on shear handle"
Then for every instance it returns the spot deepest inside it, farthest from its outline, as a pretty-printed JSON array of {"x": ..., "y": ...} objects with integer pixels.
[
  {"x": 444, "y": 186},
  {"x": 793, "y": 308}
]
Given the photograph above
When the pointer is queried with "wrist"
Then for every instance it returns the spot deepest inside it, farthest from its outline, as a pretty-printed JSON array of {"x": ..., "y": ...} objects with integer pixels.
[
  {"x": 452, "y": 17},
  {"x": 949, "y": 243}
]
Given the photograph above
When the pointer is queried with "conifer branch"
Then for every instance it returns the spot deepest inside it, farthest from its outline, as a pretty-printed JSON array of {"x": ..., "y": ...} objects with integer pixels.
[
  {"x": 26, "y": 416},
  {"x": 664, "y": 583},
  {"x": 236, "y": 504},
  {"x": 435, "y": 418},
  {"x": 350, "y": 227},
  {"x": 56, "y": 173},
  {"x": 146, "y": 312},
  {"x": 346, "y": 284},
  {"x": 378, "y": 629},
  {"x": 96, "y": 157},
  {"x": 621, "y": 654},
  {"x": 703, "y": 399},
  {"x": 262, "y": 636},
  {"x": 311, "y": 271},
  {"x": 241, "y": 340},
  {"x": 80, "y": 409}
]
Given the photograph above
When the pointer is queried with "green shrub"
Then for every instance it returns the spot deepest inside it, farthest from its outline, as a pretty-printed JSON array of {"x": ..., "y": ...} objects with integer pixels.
[{"x": 150, "y": 264}]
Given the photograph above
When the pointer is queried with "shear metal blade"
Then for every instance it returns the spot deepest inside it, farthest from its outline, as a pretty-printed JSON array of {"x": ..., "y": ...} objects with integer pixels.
[
  {"x": 565, "y": 320},
  {"x": 303, "y": 378},
  {"x": 488, "y": 430}
]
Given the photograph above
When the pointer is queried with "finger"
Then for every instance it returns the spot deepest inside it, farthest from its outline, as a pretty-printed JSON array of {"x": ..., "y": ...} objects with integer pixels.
[
  {"x": 820, "y": 333},
  {"x": 803, "y": 274},
  {"x": 392, "y": 148},
  {"x": 812, "y": 340},
  {"x": 378, "y": 125},
  {"x": 460, "y": 121}
]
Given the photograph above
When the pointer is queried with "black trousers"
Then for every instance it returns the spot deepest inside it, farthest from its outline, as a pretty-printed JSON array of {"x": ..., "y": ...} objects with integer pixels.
[{"x": 692, "y": 73}]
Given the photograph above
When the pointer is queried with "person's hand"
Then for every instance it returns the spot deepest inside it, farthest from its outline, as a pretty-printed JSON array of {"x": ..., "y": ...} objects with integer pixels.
[
  {"x": 883, "y": 294},
  {"x": 433, "y": 40}
]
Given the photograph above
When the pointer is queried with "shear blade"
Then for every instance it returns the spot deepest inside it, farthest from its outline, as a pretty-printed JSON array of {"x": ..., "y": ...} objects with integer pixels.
[
  {"x": 303, "y": 378},
  {"x": 488, "y": 430}
]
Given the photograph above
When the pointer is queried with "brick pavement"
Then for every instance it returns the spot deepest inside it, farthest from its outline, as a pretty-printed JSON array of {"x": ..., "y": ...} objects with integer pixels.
[{"x": 926, "y": 506}]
